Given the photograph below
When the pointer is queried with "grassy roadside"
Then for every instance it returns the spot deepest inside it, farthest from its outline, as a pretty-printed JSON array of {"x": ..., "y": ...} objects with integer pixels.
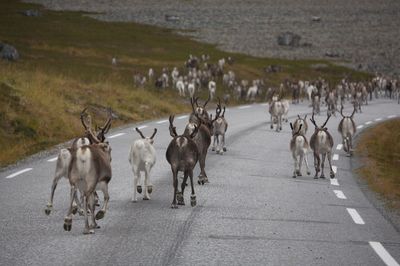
[
  {"x": 379, "y": 150},
  {"x": 66, "y": 64}
]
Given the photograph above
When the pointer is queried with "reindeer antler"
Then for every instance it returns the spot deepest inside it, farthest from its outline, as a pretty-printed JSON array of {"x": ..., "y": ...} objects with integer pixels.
[
  {"x": 329, "y": 116},
  {"x": 312, "y": 120},
  {"x": 192, "y": 101},
  {"x": 341, "y": 111},
  {"x": 209, "y": 95},
  {"x": 87, "y": 116},
  {"x": 107, "y": 125},
  {"x": 140, "y": 133},
  {"x": 172, "y": 129}
]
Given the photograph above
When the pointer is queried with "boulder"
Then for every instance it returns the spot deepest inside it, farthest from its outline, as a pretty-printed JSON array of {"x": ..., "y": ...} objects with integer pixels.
[
  {"x": 289, "y": 39},
  {"x": 8, "y": 52}
]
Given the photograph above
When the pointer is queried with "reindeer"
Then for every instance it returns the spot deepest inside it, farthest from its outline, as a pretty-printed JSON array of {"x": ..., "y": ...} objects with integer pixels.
[
  {"x": 64, "y": 156},
  {"x": 299, "y": 147},
  {"x": 182, "y": 154},
  {"x": 142, "y": 157},
  {"x": 219, "y": 129},
  {"x": 276, "y": 109},
  {"x": 347, "y": 128},
  {"x": 198, "y": 110},
  {"x": 90, "y": 169},
  {"x": 202, "y": 140},
  {"x": 300, "y": 124},
  {"x": 321, "y": 142}
]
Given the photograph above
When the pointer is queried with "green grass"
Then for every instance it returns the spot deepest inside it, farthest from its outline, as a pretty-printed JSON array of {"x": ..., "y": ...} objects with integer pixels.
[
  {"x": 66, "y": 64},
  {"x": 379, "y": 149}
]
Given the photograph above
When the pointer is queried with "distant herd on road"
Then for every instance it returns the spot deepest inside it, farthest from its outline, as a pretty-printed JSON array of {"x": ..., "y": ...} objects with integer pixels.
[{"x": 87, "y": 163}]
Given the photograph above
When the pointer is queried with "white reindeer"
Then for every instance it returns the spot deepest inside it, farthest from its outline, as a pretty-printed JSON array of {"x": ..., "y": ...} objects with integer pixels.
[
  {"x": 299, "y": 148},
  {"x": 276, "y": 109},
  {"x": 212, "y": 87},
  {"x": 181, "y": 87},
  {"x": 191, "y": 88},
  {"x": 347, "y": 128},
  {"x": 142, "y": 157}
]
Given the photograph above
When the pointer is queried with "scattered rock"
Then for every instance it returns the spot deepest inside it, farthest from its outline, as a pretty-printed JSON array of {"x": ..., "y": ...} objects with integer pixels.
[
  {"x": 319, "y": 66},
  {"x": 32, "y": 13},
  {"x": 332, "y": 54},
  {"x": 173, "y": 18},
  {"x": 315, "y": 19},
  {"x": 289, "y": 39},
  {"x": 273, "y": 69},
  {"x": 8, "y": 52}
]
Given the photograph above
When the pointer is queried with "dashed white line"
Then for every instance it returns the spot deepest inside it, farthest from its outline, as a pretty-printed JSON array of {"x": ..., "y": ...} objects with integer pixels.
[
  {"x": 52, "y": 159},
  {"x": 182, "y": 117},
  {"x": 334, "y": 168},
  {"x": 360, "y": 126},
  {"x": 383, "y": 254},
  {"x": 378, "y": 119},
  {"x": 391, "y": 116},
  {"x": 141, "y": 127},
  {"x": 19, "y": 172},
  {"x": 339, "y": 146},
  {"x": 340, "y": 194},
  {"x": 368, "y": 122},
  {"x": 355, "y": 216},
  {"x": 264, "y": 104},
  {"x": 162, "y": 122},
  {"x": 116, "y": 135},
  {"x": 334, "y": 182},
  {"x": 244, "y": 107},
  {"x": 335, "y": 157}
]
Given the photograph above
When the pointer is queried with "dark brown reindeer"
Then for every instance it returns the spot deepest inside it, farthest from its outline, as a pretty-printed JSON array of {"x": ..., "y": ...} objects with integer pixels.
[
  {"x": 347, "y": 129},
  {"x": 321, "y": 143},
  {"x": 89, "y": 169},
  {"x": 202, "y": 140},
  {"x": 182, "y": 154},
  {"x": 64, "y": 156}
]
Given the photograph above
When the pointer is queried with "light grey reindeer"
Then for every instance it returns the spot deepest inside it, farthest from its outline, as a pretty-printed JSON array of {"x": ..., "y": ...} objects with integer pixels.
[
  {"x": 142, "y": 157},
  {"x": 300, "y": 124},
  {"x": 321, "y": 143},
  {"x": 64, "y": 157},
  {"x": 299, "y": 148},
  {"x": 276, "y": 109},
  {"x": 347, "y": 128},
  {"x": 220, "y": 127},
  {"x": 90, "y": 169},
  {"x": 182, "y": 154}
]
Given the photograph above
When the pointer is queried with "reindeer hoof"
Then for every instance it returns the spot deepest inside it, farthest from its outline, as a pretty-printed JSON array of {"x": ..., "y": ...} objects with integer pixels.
[
  {"x": 332, "y": 175},
  {"x": 74, "y": 209},
  {"x": 294, "y": 176},
  {"x": 308, "y": 173},
  {"x": 179, "y": 198},
  {"x": 146, "y": 198},
  {"x": 139, "y": 189},
  {"x": 212, "y": 149},
  {"x": 81, "y": 212},
  {"x": 272, "y": 126},
  {"x": 224, "y": 149},
  {"x": 149, "y": 189},
  {"x": 95, "y": 226},
  {"x": 193, "y": 200},
  {"x": 322, "y": 176},
  {"x": 88, "y": 231},
  {"x": 174, "y": 206},
  {"x": 47, "y": 211},
  {"x": 67, "y": 224},
  {"x": 315, "y": 177},
  {"x": 100, "y": 215}
]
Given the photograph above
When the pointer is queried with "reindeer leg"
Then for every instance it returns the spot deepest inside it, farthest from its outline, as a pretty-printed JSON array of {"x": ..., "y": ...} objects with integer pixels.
[
  {"x": 68, "y": 218},
  {"x": 316, "y": 164},
  {"x": 272, "y": 122},
  {"x": 92, "y": 205},
  {"x": 300, "y": 162},
  {"x": 322, "y": 165},
  {"x": 179, "y": 196},
  {"x": 136, "y": 177},
  {"x": 223, "y": 143},
  {"x": 202, "y": 177},
  {"x": 193, "y": 195},
  {"x": 57, "y": 177},
  {"x": 214, "y": 141},
  {"x": 332, "y": 174},
  {"x": 147, "y": 186},
  {"x": 306, "y": 162},
  {"x": 103, "y": 186},
  {"x": 87, "y": 230},
  {"x": 175, "y": 184}
]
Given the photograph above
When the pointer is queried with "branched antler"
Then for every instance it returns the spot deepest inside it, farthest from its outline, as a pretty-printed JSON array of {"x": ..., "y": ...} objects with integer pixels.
[
  {"x": 329, "y": 116},
  {"x": 172, "y": 129},
  {"x": 155, "y": 132}
]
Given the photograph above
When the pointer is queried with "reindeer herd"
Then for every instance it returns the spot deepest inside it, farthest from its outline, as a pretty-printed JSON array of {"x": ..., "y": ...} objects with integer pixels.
[{"x": 87, "y": 163}]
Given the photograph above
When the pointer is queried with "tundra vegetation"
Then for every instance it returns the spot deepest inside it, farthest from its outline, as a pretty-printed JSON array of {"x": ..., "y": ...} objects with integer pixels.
[{"x": 64, "y": 66}]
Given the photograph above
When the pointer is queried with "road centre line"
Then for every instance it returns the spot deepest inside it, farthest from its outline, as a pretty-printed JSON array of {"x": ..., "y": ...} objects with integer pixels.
[
  {"x": 391, "y": 116},
  {"x": 369, "y": 122},
  {"x": 378, "y": 119},
  {"x": 334, "y": 182},
  {"x": 339, "y": 146},
  {"x": 355, "y": 216},
  {"x": 264, "y": 104},
  {"x": 19, "y": 172},
  {"x": 335, "y": 157},
  {"x": 340, "y": 194},
  {"x": 383, "y": 254},
  {"x": 360, "y": 126},
  {"x": 116, "y": 135},
  {"x": 162, "y": 122},
  {"x": 141, "y": 127},
  {"x": 244, "y": 107},
  {"x": 182, "y": 117},
  {"x": 52, "y": 159}
]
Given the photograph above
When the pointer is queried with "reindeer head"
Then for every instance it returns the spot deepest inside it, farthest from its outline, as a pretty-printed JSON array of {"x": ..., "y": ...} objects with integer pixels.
[
  {"x": 172, "y": 129},
  {"x": 352, "y": 114},
  {"x": 99, "y": 136},
  {"x": 199, "y": 110},
  {"x": 148, "y": 139},
  {"x": 295, "y": 132},
  {"x": 317, "y": 128}
]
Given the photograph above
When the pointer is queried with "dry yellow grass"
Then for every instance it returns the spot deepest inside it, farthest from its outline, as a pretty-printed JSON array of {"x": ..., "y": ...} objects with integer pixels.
[{"x": 379, "y": 149}]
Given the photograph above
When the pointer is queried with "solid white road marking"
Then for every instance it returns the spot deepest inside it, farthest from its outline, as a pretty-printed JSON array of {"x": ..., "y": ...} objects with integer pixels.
[
  {"x": 369, "y": 122},
  {"x": 52, "y": 159},
  {"x": 141, "y": 127},
  {"x": 391, "y": 116},
  {"x": 162, "y": 121},
  {"x": 182, "y": 117},
  {"x": 264, "y": 104},
  {"x": 360, "y": 126},
  {"x": 19, "y": 172},
  {"x": 334, "y": 168},
  {"x": 378, "y": 119},
  {"x": 383, "y": 254},
  {"x": 339, "y": 146},
  {"x": 340, "y": 194},
  {"x": 355, "y": 216},
  {"x": 244, "y": 107},
  {"x": 335, "y": 157},
  {"x": 116, "y": 135},
  {"x": 334, "y": 182}
]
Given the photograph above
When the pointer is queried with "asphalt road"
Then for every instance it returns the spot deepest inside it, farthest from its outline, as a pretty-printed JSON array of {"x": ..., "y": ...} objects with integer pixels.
[{"x": 251, "y": 213}]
